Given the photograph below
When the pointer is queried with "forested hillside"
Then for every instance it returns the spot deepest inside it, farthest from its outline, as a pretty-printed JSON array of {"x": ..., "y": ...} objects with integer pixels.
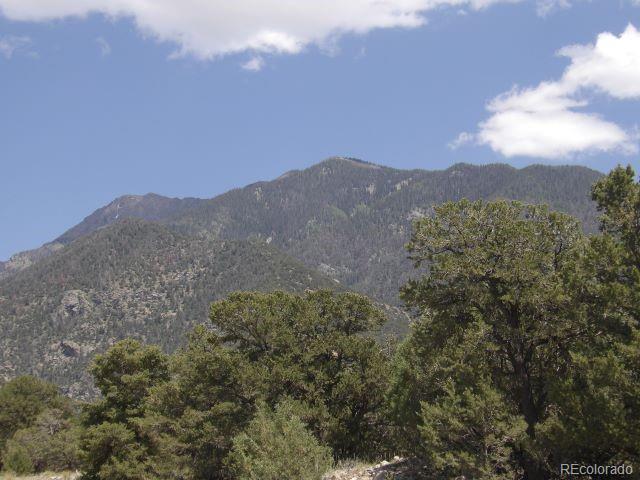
[
  {"x": 132, "y": 279},
  {"x": 351, "y": 219},
  {"x": 345, "y": 218}
]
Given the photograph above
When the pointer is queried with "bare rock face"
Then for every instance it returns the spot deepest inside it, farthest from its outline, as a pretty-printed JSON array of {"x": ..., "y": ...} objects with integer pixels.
[
  {"x": 74, "y": 303},
  {"x": 64, "y": 351},
  {"x": 70, "y": 349}
]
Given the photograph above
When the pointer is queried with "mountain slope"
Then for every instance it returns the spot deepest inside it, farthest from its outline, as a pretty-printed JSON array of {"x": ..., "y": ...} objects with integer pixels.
[
  {"x": 150, "y": 207},
  {"x": 347, "y": 218},
  {"x": 132, "y": 279},
  {"x": 351, "y": 219}
]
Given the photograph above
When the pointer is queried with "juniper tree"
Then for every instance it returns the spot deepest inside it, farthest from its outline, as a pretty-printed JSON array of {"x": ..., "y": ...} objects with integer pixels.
[{"x": 497, "y": 321}]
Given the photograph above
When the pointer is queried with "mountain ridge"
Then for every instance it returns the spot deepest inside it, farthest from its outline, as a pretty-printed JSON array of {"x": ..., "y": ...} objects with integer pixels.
[{"x": 220, "y": 216}]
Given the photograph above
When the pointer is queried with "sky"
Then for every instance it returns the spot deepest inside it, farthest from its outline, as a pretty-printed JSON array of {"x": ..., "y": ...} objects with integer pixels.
[{"x": 101, "y": 98}]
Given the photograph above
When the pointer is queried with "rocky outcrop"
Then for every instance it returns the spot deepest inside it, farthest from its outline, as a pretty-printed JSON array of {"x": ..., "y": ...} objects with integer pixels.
[
  {"x": 396, "y": 469},
  {"x": 74, "y": 303},
  {"x": 23, "y": 260}
]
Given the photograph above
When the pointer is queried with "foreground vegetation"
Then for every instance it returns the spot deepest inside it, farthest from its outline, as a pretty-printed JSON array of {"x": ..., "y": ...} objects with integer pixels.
[{"x": 525, "y": 350}]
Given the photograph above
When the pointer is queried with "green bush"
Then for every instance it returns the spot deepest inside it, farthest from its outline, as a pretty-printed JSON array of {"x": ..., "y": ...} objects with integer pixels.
[
  {"x": 16, "y": 459},
  {"x": 470, "y": 434},
  {"x": 22, "y": 400},
  {"x": 51, "y": 443},
  {"x": 112, "y": 452},
  {"x": 277, "y": 446}
]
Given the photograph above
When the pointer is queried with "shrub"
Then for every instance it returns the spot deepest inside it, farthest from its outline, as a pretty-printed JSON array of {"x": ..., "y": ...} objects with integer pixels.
[
  {"x": 277, "y": 446},
  {"x": 112, "y": 452},
  {"x": 16, "y": 459},
  {"x": 51, "y": 443},
  {"x": 21, "y": 401},
  {"x": 470, "y": 434}
]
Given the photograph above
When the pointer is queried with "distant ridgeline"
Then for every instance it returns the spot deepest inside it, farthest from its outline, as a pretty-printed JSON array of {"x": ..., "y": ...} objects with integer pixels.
[{"x": 149, "y": 266}]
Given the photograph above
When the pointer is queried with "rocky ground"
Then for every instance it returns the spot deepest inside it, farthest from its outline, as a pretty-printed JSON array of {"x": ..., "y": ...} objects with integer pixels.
[{"x": 396, "y": 469}]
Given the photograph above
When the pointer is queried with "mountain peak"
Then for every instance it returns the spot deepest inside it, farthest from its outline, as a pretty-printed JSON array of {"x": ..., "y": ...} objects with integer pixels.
[{"x": 356, "y": 162}]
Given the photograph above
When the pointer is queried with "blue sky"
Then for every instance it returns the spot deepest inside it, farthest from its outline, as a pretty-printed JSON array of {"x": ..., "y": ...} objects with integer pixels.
[{"x": 102, "y": 98}]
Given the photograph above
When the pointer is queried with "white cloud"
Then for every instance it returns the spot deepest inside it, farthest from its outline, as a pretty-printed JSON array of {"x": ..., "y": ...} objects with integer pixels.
[
  {"x": 254, "y": 65},
  {"x": 12, "y": 44},
  {"x": 549, "y": 120},
  {"x": 210, "y": 28},
  {"x": 105, "y": 47},
  {"x": 463, "y": 139},
  {"x": 545, "y": 7},
  {"x": 612, "y": 65}
]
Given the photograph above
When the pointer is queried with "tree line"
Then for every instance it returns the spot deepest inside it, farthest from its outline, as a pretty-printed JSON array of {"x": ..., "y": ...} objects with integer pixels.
[{"x": 524, "y": 355}]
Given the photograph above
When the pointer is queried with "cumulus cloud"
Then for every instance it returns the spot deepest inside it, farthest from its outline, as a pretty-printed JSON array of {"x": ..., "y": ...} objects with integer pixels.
[
  {"x": 549, "y": 121},
  {"x": 12, "y": 44},
  {"x": 611, "y": 66},
  {"x": 211, "y": 28}
]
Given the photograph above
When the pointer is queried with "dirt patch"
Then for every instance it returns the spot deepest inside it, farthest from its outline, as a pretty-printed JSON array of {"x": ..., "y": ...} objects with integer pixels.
[{"x": 396, "y": 469}]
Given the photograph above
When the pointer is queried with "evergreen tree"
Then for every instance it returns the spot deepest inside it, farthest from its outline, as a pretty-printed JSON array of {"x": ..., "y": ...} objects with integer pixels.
[
  {"x": 51, "y": 443},
  {"x": 498, "y": 327},
  {"x": 317, "y": 350},
  {"x": 113, "y": 444},
  {"x": 311, "y": 350}
]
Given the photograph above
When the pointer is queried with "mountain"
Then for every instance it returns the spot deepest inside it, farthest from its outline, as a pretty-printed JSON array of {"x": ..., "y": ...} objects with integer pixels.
[
  {"x": 346, "y": 218},
  {"x": 148, "y": 266},
  {"x": 150, "y": 207},
  {"x": 350, "y": 219},
  {"x": 132, "y": 279}
]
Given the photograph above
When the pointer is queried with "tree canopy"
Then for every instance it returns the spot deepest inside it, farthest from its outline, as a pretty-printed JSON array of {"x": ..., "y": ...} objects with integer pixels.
[{"x": 518, "y": 359}]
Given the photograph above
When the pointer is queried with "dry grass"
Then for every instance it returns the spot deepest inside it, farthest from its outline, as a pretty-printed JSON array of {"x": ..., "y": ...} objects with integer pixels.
[{"x": 42, "y": 476}]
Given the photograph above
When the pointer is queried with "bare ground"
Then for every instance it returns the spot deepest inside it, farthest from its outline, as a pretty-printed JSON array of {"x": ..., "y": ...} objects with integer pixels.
[
  {"x": 42, "y": 476},
  {"x": 396, "y": 469}
]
